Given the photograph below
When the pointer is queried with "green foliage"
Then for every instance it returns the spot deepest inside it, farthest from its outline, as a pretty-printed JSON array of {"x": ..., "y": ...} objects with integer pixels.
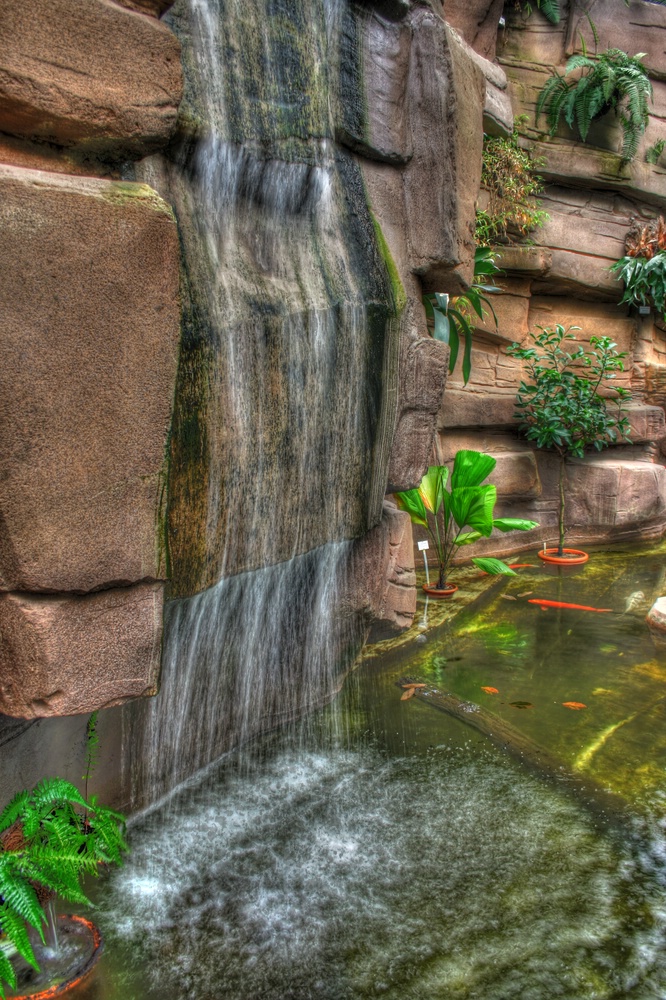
[
  {"x": 643, "y": 268},
  {"x": 549, "y": 8},
  {"x": 452, "y": 316},
  {"x": 506, "y": 175},
  {"x": 447, "y": 512},
  {"x": 644, "y": 281},
  {"x": 653, "y": 152},
  {"x": 49, "y": 839},
  {"x": 612, "y": 81},
  {"x": 560, "y": 405}
]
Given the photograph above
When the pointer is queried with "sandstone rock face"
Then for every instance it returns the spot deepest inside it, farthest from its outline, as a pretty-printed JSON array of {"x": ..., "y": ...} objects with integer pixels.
[
  {"x": 443, "y": 176},
  {"x": 66, "y": 655},
  {"x": 88, "y": 73},
  {"x": 423, "y": 372},
  {"x": 89, "y": 330},
  {"x": 153, "y": 7},
  {"x": 384, "y": 575},
  {"x": 477, "y": 22}
]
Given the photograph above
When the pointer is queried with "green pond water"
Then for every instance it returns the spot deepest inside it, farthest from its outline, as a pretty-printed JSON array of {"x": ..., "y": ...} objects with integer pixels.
[{"x": 394, "y": 851}]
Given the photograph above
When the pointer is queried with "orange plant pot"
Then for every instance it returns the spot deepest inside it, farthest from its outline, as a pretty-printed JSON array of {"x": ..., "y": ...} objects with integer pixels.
[
  {"x": 573, "y": 557},
  {"x": 81, "y": 974},
  {"x": 436, "y": 592}
]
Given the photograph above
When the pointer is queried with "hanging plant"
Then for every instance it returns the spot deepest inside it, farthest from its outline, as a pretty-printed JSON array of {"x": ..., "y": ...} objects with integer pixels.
[
  {"x": 512, "y": 188},
  {"x": 452, "y": 316},
  {"x": 612, "y": 81},
  {"x": 643, "y": 268}
]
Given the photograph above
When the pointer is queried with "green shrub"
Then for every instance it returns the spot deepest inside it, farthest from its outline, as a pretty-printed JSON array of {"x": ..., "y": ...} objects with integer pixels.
[
  {"x": 560, "y": 406},
  {"x": 612, "y": 81},
  {"x": 507, "y": 175},
  {"x": 643, "y": 268}
]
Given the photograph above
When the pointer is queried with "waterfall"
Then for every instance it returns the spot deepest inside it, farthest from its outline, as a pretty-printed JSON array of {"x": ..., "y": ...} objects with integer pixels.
[{"x": 275, "y": 466}]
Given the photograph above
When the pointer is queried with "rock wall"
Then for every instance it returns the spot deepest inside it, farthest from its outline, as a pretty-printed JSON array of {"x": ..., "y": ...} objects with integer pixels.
[
  {"x": 591, "y": 198},
  {"x": 121, "y": 460},
  {"x": 89, "y": 333}
]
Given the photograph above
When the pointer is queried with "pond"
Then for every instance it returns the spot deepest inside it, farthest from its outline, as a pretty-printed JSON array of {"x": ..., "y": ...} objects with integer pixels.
[{"x": 395, "y": 851}]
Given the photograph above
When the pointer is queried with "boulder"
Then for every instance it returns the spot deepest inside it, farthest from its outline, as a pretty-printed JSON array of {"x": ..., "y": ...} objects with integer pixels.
[
  {"x": 441, "y": 181},
  {"x": 422, "y": 378},
  {"x": 374, "y": 88},
  {"x": 89, "y": 334},
  {"x": 384, "y": 577},
  {"x": 88, "y": 73},
  {"x": 656, "y": 616},
  {"x": 62, "y": 655},
  {"x": 477, "y": 21}
]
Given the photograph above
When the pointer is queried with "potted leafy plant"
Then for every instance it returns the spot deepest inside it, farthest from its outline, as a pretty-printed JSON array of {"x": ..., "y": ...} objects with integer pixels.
[
  {"x": 611, "y": 81},
  {"x": 49, "y": 839},
  {"x": 561, "y": 407},
  {"x": 445, "y": 513}
]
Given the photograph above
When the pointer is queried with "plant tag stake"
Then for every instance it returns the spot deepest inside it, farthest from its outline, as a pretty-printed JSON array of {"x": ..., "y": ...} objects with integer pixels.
[{"x": 422, "y": 548}]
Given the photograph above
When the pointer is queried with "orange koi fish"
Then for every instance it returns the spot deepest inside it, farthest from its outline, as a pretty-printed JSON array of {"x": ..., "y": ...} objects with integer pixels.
[
  {"x": 575, "y": 705},
  {"x": 490, "y": 690},
  {"x": 409, "y": 693},
  {"x": 562, "y": 604},
  {"x": 413, "y": 685}
]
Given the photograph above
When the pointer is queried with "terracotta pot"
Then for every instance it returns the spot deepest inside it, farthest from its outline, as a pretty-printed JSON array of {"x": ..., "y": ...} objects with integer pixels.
[
  {"x": 436, "y": 592},
  {"x": 77, "y": 925},
  {"x": 573, "y": 557}
]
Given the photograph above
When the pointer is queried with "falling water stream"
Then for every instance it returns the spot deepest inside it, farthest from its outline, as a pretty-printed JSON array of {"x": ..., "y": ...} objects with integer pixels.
[{"x": 274, "y": 467}]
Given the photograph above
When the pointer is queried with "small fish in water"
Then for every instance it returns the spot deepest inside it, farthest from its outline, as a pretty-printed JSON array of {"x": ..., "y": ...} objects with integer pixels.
[
  {"x": 574, "y": 705},
  {"x": 490, "y": 690},
  {"x": 602, "y": 691},
  {"x": 526, "y": 593},
  {"x": 562, "y": 604},
  {"x": 521, "y": 704},
  {"x": 409, "y": 693},
  {"x": 507, "y": 597},
  {"x": 410, "y": 685},
  {"x": 633, "y": 601}
]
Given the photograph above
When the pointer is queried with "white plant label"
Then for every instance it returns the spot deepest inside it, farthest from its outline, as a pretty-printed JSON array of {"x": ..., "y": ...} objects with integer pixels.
[{"x": 423, "y": 546}]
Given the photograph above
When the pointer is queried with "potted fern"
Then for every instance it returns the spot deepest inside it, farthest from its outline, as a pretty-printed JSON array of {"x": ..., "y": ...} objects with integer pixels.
[
  {"x": 445, "y": 513},
  {"x": 612, "y": 81},
  {"x": 50, "y": 838}
]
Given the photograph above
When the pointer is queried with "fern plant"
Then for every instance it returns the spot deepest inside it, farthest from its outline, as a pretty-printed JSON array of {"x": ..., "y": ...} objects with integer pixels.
[
  {"x": 549, "y": 8},
  {"x": 49, "y": 839},
  {"x": 612, "y": 81},
  {"x": 451, "y": 317}
]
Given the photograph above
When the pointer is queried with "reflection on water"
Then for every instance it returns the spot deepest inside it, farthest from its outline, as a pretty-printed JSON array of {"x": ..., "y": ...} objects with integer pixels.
[{"x": 410, "y": 859}]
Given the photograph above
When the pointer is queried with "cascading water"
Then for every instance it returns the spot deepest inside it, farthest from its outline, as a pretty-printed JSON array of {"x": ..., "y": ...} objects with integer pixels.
[{"x": 276, "y": 464}]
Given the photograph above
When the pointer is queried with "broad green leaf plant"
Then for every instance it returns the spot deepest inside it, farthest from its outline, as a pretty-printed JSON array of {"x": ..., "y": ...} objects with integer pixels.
[
  {"x": 446, "y": 513},
  {"x": 560, "y": 405},
  {"x": 452, "y": 316},
  {"x": 49, "y": 839},
  {"x": 611, "y": 81}
]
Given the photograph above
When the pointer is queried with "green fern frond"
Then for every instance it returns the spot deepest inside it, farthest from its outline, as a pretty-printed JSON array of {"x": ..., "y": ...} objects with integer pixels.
[
  {"x": 17, "y": 892},
  {"x": 13, "y": 810},
  {"x": 14, "y": 928},
  {"x": 6, "y": 973}
]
